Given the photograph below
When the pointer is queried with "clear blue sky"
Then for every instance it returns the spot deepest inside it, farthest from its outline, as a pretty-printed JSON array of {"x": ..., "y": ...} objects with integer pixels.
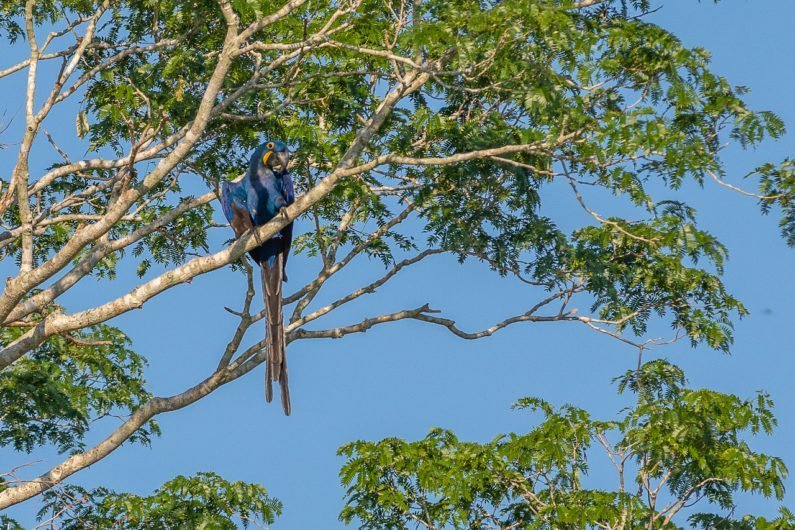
[{"x": 402, "y": 379}]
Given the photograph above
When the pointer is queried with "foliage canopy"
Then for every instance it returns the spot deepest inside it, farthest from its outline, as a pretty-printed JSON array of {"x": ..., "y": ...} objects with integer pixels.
[
  {"x": 419, "y": 127},
  {"x": 674, "y": 452}
]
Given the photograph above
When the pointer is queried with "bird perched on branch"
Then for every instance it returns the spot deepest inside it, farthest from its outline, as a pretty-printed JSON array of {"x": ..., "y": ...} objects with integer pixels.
[{"x": 251, "y": 202}]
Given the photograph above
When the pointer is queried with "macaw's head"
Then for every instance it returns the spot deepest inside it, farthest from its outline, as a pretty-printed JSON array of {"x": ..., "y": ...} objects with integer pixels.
[{"x": 272, "y": 154}]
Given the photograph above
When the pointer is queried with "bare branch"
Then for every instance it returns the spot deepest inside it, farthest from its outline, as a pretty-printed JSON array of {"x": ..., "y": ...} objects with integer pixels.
[
  {"x": 368, "y": 289},
  {"x": 424, "y": 314},
  {"x": 528, "y": 316},
  {"x": 599, "y": 218},
  {"x": 741, "y": 191},
  {"x": 361, "y": 327},
  {"x": 309, "y": 291},
  {"x": 245, "y": 319}
]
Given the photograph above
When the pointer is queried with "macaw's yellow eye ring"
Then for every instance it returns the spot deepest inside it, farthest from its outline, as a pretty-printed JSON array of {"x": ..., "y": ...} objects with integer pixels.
[{"x": 269, "y": 145}]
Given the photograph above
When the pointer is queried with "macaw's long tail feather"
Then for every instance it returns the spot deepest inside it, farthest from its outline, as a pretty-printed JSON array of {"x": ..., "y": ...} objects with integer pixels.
[
  {"x": 287, "y": 241},
  {"x": 274, "y": 327},
  {"x": 268, "y": 382},
  {"x": 285, "y": 388}
]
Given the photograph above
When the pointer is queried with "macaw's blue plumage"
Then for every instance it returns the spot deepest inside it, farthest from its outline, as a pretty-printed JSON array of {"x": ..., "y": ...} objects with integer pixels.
[
  {"x": 253, "y": 201},
  {"x": 265, "y": 189}
]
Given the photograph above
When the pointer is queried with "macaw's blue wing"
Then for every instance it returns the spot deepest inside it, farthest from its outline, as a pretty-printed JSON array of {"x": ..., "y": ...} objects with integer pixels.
[
  {"x": 235, "y": 207},
  {"x": 227, "y": 190}
]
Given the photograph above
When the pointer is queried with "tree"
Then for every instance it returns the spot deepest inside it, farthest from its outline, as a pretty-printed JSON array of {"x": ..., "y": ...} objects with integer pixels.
[
  {"x": 203, "y": 501},
  {"x": 419, "y": 128},
  {"x": 676, "y": 450}
]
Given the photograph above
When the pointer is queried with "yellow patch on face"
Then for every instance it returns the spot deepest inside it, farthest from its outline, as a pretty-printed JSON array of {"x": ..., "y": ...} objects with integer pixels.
[{"x": 265, "y": 157}]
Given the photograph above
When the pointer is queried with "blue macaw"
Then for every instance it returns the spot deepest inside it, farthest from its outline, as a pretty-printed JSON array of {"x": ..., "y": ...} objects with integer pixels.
[{"x": 252, "y": 201}]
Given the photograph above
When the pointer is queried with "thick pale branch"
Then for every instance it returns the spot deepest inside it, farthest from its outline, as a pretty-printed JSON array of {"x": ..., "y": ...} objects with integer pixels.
[{"x": 542, "y": 148}]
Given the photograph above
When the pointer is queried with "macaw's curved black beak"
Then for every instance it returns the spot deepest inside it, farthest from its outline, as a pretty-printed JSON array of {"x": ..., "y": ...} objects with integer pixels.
[{"x": 279, "y": 160}]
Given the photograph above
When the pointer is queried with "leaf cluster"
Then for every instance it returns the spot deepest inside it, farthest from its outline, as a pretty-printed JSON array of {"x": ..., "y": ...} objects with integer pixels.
[
  {"x": 202, "y": 501},
  {"x": 53, "y": 395},
  {"x": 674, "y": 447}
]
